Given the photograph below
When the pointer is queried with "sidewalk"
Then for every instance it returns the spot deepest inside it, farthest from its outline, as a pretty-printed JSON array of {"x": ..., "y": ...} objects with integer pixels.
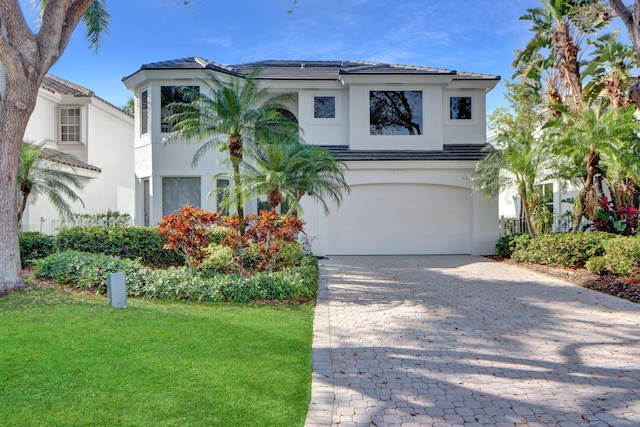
[{"x": 463, "y": 341}]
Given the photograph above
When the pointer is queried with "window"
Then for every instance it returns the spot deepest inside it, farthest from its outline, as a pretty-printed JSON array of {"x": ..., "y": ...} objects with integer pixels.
[
  {"x": 70, "y": 124},
  {"x": 177, "y": 192},
  {"x": 397, "y": 112},
  {"x": 263, "y": 205},
  {"x": 460, "y": 108},
  {"x": 144, "y": 113},
  {"x": 324, "y": 107},
  {"x": 170, "y": 95},
  {"x": 222, "y": 186}
]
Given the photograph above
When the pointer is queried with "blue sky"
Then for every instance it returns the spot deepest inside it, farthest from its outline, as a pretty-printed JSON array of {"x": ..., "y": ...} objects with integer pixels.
[{"x": 465, "y": 35}]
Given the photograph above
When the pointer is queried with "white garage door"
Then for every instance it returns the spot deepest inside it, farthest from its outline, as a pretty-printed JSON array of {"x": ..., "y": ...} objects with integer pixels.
[{"x": 401, "y": 219}]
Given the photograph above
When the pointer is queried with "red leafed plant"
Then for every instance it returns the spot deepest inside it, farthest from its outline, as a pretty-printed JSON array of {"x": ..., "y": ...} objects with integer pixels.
[
  {"x": 267, "y": 232},
  {"x": 187, "y": 232}
]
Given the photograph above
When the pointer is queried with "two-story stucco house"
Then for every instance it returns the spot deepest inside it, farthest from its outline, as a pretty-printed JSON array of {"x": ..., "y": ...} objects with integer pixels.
[
  {"x": 410, "y": 136},
  {"x": 89, "y": 137}
]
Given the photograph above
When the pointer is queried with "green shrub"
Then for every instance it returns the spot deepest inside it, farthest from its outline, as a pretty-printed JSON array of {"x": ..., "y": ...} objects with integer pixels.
[
  {"x": 144, "y": 243},
  {"x": 35, "y": 245},
  {"x": 219, "y": 258},
  {"x": 621, "y": 256},
  {"x": 562, "y": 249},
  {"x": 291, "y": 254},
  {"x": 87, "y": 271},
  {"x": 509, "y": 243}
]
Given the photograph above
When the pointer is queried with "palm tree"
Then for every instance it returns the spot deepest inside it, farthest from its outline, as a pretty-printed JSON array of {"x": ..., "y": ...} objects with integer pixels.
[
  {"x": 227, "y": 116},
  {"x": 558, "y": 28},
  {"x": 286, "y": 169},
  {"x": 589, "y": 140},
  {"x": 518, "y": 158},
  {"x": 38, "y": 176},
  {"x": 610, "y": 71}
]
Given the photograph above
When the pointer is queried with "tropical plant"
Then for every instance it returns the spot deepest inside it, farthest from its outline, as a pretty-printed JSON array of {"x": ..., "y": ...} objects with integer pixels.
[
  {"x": 629, "y": 16},
  {"x": 286, "y": 169},
  {"x": 39, "y": 176},
  {"x": 559, "y": 27},
  {"x": 187, "y": 232},
  {"x": 590, "y": 139},
  {"x": 227, "y": 116},
  {"x": 518, "y": 157},
  {"x": 610, "y": 71}
]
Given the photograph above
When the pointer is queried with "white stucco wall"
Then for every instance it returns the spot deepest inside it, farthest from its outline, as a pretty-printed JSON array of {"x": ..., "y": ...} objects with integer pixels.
[{"x": 108, "y": 144}]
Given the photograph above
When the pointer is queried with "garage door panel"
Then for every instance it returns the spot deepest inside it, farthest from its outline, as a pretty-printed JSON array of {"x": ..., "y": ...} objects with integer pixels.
[{"x": 401, "y": 219}]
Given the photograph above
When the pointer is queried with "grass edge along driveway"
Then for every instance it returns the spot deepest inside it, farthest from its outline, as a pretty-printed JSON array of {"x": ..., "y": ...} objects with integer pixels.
[{"x": 70, "y": 359}]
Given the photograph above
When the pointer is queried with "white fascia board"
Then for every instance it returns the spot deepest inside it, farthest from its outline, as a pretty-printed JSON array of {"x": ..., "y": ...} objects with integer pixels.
[{"x": 473, "y": 84}]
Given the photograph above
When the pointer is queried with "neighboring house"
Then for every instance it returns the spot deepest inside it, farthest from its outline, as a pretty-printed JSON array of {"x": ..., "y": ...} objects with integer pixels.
[
  {"x": 408, "y": 171},
  {"x": 557, "y": 196},
  {"x": 89, "y": 137}
]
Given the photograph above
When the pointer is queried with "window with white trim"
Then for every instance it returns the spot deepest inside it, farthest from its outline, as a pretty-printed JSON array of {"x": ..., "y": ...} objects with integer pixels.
[
  {"x": 144, "y": 112},
  {"x": 222, "y": 186},
  {"x": 324, "y": 107},
  {"x": 70, "y": 125},
  {"x": 170, "y": 95},
  {"x": 395, "y": 112},
  {"x": 179, "y": 191},
  {"x": 460, "y": 108}
]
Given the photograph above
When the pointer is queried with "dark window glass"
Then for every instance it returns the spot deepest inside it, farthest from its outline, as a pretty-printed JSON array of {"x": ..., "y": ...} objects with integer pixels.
[
  {"x": 177, "y": 192},
  {"x": 170, "y": 95},
  {"x": 395, "y": 112},
  {"x": 460, "y": 108},
  {"x": 223, "y": 186},
  {"x": 324, "y": 107},
  {"x": 144, "y": 113}
]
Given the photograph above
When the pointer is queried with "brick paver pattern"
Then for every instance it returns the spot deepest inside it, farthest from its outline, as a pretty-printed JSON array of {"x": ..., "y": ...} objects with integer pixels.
[{"x": 462, "y": 341}]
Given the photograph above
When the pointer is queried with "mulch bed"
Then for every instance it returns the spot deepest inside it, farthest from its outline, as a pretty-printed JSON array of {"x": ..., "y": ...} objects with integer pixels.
[{"x": 607, "y": 283}]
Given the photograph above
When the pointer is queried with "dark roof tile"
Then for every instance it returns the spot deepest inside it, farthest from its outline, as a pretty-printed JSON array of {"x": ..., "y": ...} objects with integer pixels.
[{"x": 448, "y": 152}]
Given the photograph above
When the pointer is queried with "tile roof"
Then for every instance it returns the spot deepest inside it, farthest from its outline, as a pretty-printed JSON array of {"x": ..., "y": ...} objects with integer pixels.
[
  {"x": 309, "y": 70},
  {"x": 61, "y": 86},
  {"x": 67, "y": 160},
  {"x": 448, "y": 152}
]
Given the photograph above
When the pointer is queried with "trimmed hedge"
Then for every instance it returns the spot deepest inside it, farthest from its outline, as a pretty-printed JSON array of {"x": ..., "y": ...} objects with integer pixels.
[
  {"x": 621, "y": 256},
  {"x": 144, "y": 243},
  {"x": 35, "y": 245},
  {"x": 563, "y": 249},
  {"x": 88, "y": 271},
  {"x": 509, "y": 243}
]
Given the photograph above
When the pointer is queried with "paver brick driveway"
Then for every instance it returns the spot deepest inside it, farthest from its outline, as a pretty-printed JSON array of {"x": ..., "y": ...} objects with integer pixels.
[{"x": 462, "y": 340}]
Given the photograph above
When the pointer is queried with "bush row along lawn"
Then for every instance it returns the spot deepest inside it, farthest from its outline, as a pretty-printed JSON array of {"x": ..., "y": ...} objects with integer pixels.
[{"x": 69, "y": 359}]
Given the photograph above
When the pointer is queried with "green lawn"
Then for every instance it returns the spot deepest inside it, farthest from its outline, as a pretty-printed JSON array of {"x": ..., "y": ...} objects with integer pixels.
[{"x": 68, "y": 359}]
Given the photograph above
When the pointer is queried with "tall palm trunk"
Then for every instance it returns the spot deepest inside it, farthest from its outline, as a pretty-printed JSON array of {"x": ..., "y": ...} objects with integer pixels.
[
  {"x": 524, "y": 198},
  {"x": 275, "y": 198},
  {"x": 24, "y": 192},
  {"x": 235, "y": 152}
]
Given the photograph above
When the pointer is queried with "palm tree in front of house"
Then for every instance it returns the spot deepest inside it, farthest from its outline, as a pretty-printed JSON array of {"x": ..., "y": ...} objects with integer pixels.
[
  {"x": 39, "y": 176},
  {"x": 227, "y": 116},
  {"x": 286, "y": 169}
]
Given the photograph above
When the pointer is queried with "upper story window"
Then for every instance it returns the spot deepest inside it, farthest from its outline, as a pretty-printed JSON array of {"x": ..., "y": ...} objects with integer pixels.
[
  {"x": 169, "y": 95},
  {"x": 395, "y": 112},
  {"x": 460, "y": 108},
  {"x": 324, "y": 107},
  {"x": 144, "y": 112},
  {"x": 70, "y": 125}
]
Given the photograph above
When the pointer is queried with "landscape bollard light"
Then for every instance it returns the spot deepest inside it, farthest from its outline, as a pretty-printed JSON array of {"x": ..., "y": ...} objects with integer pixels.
[{"x": 117, "y": 290}]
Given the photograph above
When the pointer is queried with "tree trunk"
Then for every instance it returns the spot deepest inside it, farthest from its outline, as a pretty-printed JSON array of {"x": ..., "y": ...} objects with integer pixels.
[
  {"x": 235, "y": 153},
  {"x": 15, "y": 110},
  {"x": 593, "y": 160},
  {"x": 631, "y": 19}
]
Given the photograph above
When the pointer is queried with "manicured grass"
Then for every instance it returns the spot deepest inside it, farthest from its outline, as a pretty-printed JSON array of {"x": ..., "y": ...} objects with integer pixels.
[{"x": 69, "y": 359}]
